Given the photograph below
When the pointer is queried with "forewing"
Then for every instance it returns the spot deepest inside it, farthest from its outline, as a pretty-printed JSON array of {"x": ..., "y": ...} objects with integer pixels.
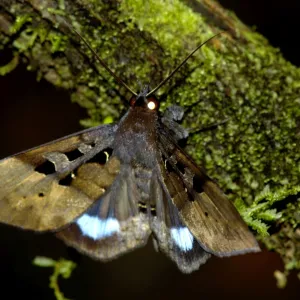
[
  {"x": 46, "y": 187},
  {"x": 113, "y": 225},
  {"x": 171, "y": 236},
  {"x": 204, "y": 209}
]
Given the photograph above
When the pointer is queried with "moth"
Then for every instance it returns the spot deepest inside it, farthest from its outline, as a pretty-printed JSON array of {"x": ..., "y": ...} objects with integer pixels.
[{"x": 107, "y": 189}]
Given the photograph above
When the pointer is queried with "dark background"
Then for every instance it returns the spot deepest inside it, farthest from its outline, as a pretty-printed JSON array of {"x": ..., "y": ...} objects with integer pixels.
[{"x": 33, "y": 113}]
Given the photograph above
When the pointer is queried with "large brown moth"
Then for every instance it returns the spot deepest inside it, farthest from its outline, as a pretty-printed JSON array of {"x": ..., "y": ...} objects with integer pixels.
[{"x": 105, "y": 190}]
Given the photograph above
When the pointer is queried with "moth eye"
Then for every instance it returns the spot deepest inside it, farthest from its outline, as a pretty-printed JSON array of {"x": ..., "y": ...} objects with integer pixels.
[
  {"x": 46, "y": 168},
  {"x": 132, "y": 101},
  {"x": 41, "y": 195},
  {"x": 74, "y": 154},
  {"x": 151, "y": 105},
  {"x": 197, "y": 184},
  {"x": 206, "y": 214}
]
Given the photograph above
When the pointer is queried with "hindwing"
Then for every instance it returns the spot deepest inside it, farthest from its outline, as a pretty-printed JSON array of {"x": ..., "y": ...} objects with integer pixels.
[
  {"x": 113, "y": 225},
  {"x": 170, "y": 235}
]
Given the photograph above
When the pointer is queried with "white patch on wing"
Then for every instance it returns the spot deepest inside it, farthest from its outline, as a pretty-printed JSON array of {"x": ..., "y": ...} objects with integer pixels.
[
  {"x": 96, "y": 228},
  {"x": 182, "y": 238}
]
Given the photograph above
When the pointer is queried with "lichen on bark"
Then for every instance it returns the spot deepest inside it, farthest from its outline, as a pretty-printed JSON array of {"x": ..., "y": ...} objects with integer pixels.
[{"x": 254, "y": 156}]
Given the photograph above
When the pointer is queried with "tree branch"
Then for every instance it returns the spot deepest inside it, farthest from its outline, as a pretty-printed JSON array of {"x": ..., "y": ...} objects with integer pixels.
[{"x": 254, "y": 156}]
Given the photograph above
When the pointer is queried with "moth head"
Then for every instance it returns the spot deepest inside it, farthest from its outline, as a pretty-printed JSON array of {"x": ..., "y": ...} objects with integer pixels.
[{"x": 149, "y": 103}]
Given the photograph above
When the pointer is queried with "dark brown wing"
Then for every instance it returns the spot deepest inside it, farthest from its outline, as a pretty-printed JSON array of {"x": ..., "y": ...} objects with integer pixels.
[
  {"x": 171, "y": 235},
  {"x": 204, "y": 209},
  {"x": 47, "y": 187}
]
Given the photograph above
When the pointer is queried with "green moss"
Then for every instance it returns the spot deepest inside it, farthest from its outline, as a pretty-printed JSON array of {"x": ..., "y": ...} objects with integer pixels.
[
  {"x": 58, "y": 41},
  {"x": 9, "y": 66},
  {"x": 56, "y": 11},
  {"x": 19, "y": 22},
  {"x": 28, "y": 37},
  {"x": 165, "y": 20},
  {"x": 26, "y": 40},
  {"x": 108, "y": 120},
  {"x": 261, "y": 213},
  {"x": 281, "y": 279}
]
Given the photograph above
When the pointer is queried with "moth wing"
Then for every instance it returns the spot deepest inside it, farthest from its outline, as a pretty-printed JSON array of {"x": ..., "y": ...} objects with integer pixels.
[
  {"x": 203, "y": 207},
  {"x": 38, "y": 187},
  {"x": 171, "y": 235},
  {"x": 113, "y": 225}
]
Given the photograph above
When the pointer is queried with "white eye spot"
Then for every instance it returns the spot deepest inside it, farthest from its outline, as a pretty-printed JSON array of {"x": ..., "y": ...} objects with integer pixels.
[
  {"x": 96, "y": 228},
  {"x": 151, "y": 105},
  {"x": 182, "y": 238}
]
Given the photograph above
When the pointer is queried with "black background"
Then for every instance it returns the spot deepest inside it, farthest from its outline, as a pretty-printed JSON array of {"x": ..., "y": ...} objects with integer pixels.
[{"x": 26, "y": 121}]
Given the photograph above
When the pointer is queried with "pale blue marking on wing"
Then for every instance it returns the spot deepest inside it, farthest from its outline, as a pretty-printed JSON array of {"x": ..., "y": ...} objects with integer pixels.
[
  {"x": 182, "y": 238},
  {"x": 96, "y": 228}
]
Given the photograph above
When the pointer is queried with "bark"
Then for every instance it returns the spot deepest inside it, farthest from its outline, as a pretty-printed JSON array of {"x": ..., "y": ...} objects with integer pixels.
[{"x": 238, "y": 75}]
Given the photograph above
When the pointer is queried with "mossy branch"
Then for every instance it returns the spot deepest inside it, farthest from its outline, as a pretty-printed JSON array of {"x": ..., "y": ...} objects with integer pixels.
[{"x": 254, "y": 156}]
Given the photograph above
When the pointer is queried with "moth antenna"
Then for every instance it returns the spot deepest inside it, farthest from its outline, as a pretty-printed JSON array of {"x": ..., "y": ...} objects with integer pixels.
[
  {"x": 180, "y": 65},
  {"x": 102, "y": 62}
]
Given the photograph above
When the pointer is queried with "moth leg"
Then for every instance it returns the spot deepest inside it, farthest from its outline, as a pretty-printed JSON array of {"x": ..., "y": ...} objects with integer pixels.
[
  {"x": 173, "y": 114},
  {"x": 208, "y": 127}
]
